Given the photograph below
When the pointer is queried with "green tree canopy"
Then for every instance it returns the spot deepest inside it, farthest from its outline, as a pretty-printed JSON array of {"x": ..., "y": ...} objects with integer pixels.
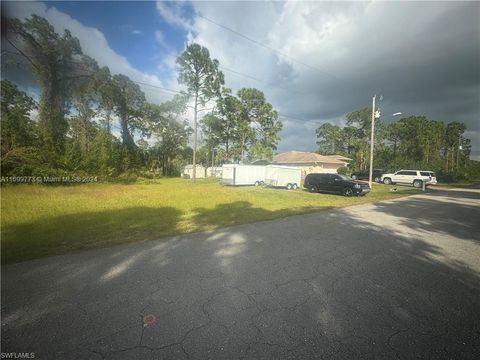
[
  {"x": 18, "y": 131},
  {"x": 330, "y": 139},
  {"x": 200, "y": 74},
  {"x": 257, "y": 124},
  {"x": 129, "y": 101},
  {"x": 54, "y": 61},
  {"x": 170, "y": 132}
]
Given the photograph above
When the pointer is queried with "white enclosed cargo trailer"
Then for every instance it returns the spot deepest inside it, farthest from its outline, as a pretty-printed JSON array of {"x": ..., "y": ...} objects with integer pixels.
[
  {"x": 236, "y": 174},
  {"x": 283, "y": 176}
]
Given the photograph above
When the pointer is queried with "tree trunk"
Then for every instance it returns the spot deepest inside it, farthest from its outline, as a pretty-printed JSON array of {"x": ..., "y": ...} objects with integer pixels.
[
  {"x": 53, "y": 125},
  {"x": 194, "y": 169},
  {"x": 126, "y": 136},
  {"x": 394, "y": 150},
  {"x": 446, "y": 166},
  {"x": 109, "y": 112},
  {"x": 243, "y": 147},
  {"x": 428, "y": 152}
]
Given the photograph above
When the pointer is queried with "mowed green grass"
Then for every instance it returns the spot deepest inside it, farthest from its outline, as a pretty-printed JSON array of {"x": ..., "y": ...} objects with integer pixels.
[{"x": 38, "y": 220}]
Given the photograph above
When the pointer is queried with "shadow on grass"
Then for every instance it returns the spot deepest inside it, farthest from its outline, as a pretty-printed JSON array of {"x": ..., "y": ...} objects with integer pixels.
[
  {"x": 64, "y": 233},
  {"x": 240, "y": 212}
]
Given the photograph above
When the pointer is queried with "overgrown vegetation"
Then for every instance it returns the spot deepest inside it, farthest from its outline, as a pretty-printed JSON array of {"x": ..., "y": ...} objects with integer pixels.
[
  {"x": 39, "y": 220},
  {"x": 89, "y": 121}
]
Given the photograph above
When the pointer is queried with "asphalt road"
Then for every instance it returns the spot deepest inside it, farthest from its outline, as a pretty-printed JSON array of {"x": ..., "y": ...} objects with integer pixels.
[{"x": 395, "y": 279}]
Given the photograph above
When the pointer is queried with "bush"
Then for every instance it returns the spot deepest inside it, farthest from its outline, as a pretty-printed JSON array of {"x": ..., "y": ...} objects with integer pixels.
[
  {"x": 148, "y": 181},
  {"x": 448, "y": 177},
  {"x": 126, "y": 178}
]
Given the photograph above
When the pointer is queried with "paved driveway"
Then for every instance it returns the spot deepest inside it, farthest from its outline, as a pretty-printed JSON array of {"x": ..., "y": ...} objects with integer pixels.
[{"x": 396, "y": 279}]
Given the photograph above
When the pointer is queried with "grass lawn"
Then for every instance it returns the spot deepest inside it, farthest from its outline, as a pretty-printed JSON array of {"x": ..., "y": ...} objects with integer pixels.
[{"x": 39, "y": 220}]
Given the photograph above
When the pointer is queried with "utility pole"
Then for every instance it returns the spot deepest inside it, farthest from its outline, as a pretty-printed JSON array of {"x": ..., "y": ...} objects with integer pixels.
[
  {"x": 195, "y": 140},
  {"x": 459, "y": 148},
  {"x": 371, "y": 142}
]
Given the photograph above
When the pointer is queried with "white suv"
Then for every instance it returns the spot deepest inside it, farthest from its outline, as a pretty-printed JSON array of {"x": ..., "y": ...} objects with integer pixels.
[{"x": 413, "y": 177}]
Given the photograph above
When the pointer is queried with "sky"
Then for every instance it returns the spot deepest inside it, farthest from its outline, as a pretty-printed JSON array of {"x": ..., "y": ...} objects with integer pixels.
[{"x": 315, "y": 61}]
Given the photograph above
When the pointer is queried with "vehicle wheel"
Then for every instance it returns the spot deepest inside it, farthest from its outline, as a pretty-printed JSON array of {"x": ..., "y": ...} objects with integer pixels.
[
  {"x": 313, "y": 189},
  {"x": 387, "y": 181},
  {"x": 257, "y": 183},
  {"x": 354, "y": 177},
  {"x": 347, "y": 192},
  {"x": 417, "y": 184},
  {"x": 377, "y": 179},
  {"x": 289, "y": 186},
  {"x": 294, "y": 186}
]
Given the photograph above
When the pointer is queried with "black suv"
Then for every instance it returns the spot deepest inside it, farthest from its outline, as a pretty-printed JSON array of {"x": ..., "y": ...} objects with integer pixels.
[
  {"x": 335, "y": 183},
  {"x": 364, "y": 174}
]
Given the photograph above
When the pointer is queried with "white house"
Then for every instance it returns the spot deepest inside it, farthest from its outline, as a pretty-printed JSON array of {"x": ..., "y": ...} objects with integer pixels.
[
  {"x": 311, "y": 162},
  {"x": 199, "y": 173}
]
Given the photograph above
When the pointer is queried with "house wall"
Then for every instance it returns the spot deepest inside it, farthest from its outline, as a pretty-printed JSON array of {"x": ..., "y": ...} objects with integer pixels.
[
  {"x": 188, "y": 170},
  {"x": 315, "y": 168},
  {"x": 214, "y": 172},
  {"x": 319, "y": 169}
]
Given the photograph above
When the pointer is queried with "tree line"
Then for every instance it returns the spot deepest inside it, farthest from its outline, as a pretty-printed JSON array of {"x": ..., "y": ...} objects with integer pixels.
[
  {"x": 409, "y": 143},
  {"x": 90, "y": 121}
]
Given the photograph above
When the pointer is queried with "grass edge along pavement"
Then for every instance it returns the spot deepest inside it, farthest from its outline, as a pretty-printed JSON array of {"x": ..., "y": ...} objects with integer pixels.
[{"x": 39, "y": 220}]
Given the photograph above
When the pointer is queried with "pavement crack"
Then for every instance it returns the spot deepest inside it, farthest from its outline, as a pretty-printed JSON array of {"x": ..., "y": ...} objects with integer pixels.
[
  {"x": 207, "y": 314},
  {"x": 143, "y": 330},
  {"x": 389, "y": 341},
  {"x": 102, "y": 356}
]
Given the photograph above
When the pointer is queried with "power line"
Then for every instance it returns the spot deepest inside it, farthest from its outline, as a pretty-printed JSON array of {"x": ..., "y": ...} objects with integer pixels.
[
  {"x": 261, "y": 81},
  {"x": 157, "y": 87},
  {"x": 239, "y": 73},
  {"x": 179, "y": 92},
  {"x": 169, "y": 91},
  {"x": 268, "y": 47},
  {"x": 176, "y": 91},
  {"x": 290, "y": 117}
]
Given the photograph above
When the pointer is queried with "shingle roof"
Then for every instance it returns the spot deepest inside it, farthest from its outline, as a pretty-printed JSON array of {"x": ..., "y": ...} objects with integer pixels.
[
  {"x": 339, "y": 157},
  {"x": 304, "y": 157}
]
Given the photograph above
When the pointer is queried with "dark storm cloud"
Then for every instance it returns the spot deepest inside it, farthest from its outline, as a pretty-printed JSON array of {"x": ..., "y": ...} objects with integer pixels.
[{"x": 427, "y": 66}]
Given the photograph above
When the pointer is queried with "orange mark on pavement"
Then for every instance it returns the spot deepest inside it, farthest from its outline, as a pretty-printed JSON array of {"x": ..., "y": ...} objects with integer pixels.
[{"x": 149, "y": 319}]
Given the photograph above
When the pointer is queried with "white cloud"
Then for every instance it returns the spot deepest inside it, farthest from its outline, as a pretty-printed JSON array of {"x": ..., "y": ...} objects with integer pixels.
[
  {"x": 93, "y": 42},
  {"x": 173, "y": 13},
  {"x": 169, "y": 66},
  {"x": 160, "y": 38}
]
